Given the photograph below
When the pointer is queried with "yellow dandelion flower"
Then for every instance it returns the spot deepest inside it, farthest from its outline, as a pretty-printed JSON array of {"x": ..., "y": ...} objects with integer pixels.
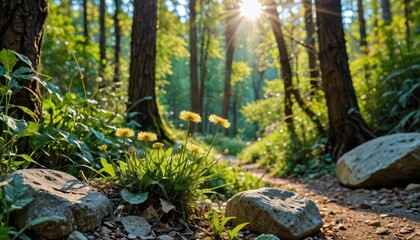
[
  {"x": 147, "y": 136},
  {"x": 219, "y": 121},
  {"x": 103, "y": 147},
  {"x": 195, "y": 149},
  {"x": 124, "y": 132},
  {"x": 157, "y": 145},
  {"x": 189, "y": 116}
]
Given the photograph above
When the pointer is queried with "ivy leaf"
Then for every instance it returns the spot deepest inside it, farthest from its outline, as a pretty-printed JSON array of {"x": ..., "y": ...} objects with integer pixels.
[
  {"x": 8, "y": 59},
  {"x": 134, "y": 198},
  {"x": 24, "y": 58}
]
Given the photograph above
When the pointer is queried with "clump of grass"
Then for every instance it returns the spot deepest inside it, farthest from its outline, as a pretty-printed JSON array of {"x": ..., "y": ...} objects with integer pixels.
[{"x": 151, "y": 173}]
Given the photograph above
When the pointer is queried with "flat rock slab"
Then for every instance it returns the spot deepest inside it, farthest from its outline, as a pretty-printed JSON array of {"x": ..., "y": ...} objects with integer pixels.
[
  {"x": 278, "y": 212},
  {"x": 382, "y": 162},
  {"x": 73, "y": 205}
]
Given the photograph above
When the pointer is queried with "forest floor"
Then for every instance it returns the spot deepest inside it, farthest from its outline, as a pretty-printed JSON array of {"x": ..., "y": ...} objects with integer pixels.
[{"x": 354, "y": 214}]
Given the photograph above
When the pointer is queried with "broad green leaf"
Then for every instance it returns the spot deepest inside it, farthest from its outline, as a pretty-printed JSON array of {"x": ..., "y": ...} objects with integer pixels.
[
  {"x": 16, "y": 125},
  {"x": 107, "y": 167},
  {"x": 267, "y": 237},
  {"x": 23, "y": 73},
  {"x": 234, "y": 232},
  {"x": 134, "y": 198},
  {"x": 24, "y": 58},
  {"x": 101, "y": 137},
  {"x": 225, "y": 220},
  {"x": 2, "y": 71},
  {"x": 8, "y": 59},
  {"x": 15, "y": 192},
  {"x": 31, "y": 130},
  {"x": 24, "y": 109}
]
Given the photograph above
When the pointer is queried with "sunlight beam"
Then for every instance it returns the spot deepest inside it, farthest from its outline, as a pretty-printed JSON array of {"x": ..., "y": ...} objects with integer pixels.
[{"x": 251, "y": 9}]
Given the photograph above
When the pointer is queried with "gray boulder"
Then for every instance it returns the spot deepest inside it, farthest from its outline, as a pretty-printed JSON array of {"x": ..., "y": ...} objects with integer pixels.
[
  {"x": 281, "y": 213},
  {"x": 71, "y": 204},
  {"x": 382, "y": 162}
]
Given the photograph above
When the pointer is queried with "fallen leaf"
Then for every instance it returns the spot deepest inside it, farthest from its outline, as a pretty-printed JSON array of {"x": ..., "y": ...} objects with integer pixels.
[
  {"x": 166, "y": 206},
  {"x": 137, "y": 226}
]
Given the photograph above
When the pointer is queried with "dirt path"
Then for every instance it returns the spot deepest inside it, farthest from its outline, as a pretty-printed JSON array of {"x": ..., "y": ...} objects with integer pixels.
[{"x": 354, "y": 214}]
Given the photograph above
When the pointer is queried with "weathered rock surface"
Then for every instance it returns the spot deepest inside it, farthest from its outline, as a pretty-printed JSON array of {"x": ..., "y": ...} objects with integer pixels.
[
  {"x": 73, "y": 205},
  {"x": 382, "y": 162},
  {"x": 281, "y": 213}
]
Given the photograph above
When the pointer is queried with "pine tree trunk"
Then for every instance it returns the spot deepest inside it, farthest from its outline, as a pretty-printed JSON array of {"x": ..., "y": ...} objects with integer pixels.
[
  {"x": 386, "y": 11},
  {"x": 102, "y": 35},
  {"x": 407, "y": 13},
  {"x": 310, "y": 41},
  {"x": 117, "y": 47},
  {"x": 85, "y": 19},
  {"x": 142, "y": 92},
  {"x": 204, "y": 50},
  {"x": 347, "y": 128},
  {"x": 362, "y": 26},
  {"x": 231, "y": 38},
  {"x": 21, "y": 30},
  {"x": 273, "y": 17},
  {"x": 193, "y": 58}
]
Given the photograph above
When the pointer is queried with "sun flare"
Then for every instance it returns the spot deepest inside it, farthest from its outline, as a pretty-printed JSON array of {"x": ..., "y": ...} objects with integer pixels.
[{"x": 251, "y": 9}]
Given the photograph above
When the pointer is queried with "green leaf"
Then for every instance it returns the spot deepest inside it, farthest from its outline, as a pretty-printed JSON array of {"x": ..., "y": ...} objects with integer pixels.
[
  {"x": 107, "y": 167},
  {"x": 8, "y": 59},
  {"x": 23, "y": 73},
  {"x": 15, "y": 193},
  {"x": 24, "y": 58},
  {"x": 234, "y": 232},
  {"x": 134, "y": 198},
  {"x": 31, "y": 130},
  {"x": 16, "y": 125},
  {"x": 24, "y": 109},
  {"x": 101, "y": 137},
  {"x": 2, "y": 71}
]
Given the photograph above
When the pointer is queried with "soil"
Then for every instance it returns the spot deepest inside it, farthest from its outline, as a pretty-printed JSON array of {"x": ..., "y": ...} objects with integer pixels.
[
  {"x": 352, "y": 214},
  {"x": 355, "y": 214}
]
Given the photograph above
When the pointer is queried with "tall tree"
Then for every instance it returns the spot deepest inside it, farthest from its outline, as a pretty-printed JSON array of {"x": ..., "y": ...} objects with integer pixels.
[
  {"x": 193, "y": 57},
  {"x": 362, "y": 25},
  {"x": 310, "y": 42},
  {"x": 102, "y": 35},
  {"x": 231, "y": 11},
  {"x": 347, "y": 128},
  {"x": 407, "y": 13},
  {"x": 117, "y": 47},
  {"x": 142, "y": 92},
  {"x": 85, "y": 19},
  {"x": 21, "y": 30},
  {"x": 386, "y": 11}
]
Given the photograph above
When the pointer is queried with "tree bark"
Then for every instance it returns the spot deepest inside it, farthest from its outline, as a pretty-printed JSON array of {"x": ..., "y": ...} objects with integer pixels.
[
  {"x": 231, "y": 38},
  {"x": 273, "y": 17},
  {"x": 310, "y": 41},
  {"x": 117, "y": 47},
  {"x": 386, "y": 11},
  {"x": 347, "y": 128},
  {"x": 102, "y": 35},
  {"x": 407, "y": 13},
  {"x": 204, "y": 49},
  {"x": 85, "y": 19},
  {"x": 21, "y": 30},
  {"x": 362, "y": 26},
  {"x": 193, "y": 57},
  {"x": 142, "y": 92}
]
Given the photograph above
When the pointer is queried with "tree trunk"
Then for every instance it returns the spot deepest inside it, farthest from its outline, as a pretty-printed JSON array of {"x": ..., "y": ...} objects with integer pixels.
[
  {"x": 407, "y": 13},
  {"x": 386, "y": 11},
  {"x": 117, "y": 47},
  {"x": 85, "y": 19},
  {"x": 231, "y": 37},
  {"x": 142, "y": 92},
  {"x": 310, "y": 41},
  {"x": 204, "y": 49},
  {"x": 102, "y": 36},
  {"x": 273, "y": 17},
  {"x": 362, "y": 26},
  {"x": 21, "y": 30},
  {"x": 347, "y": 128},
  {"x": 193, "y": 57}
]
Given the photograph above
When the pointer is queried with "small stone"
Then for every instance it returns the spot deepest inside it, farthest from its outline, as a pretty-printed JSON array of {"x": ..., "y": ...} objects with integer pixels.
[
  {"x": 384, "y": 215},
  {"x": 383, "y": 202},
  {"x": 374, "y": 223},
  {"x": 391, "y": 225},
  {"x": 335, "y": 229},
  {"x": 412, "y": 187},
  {"x": 406, "y": 230},
  {"x": 382, "y": 231},
  {"x": 341, "y": 227},
  {"x": 131, "y": 236},
  {"x": 109, "y": 224},
  {"x": 76, "y": 235}
]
